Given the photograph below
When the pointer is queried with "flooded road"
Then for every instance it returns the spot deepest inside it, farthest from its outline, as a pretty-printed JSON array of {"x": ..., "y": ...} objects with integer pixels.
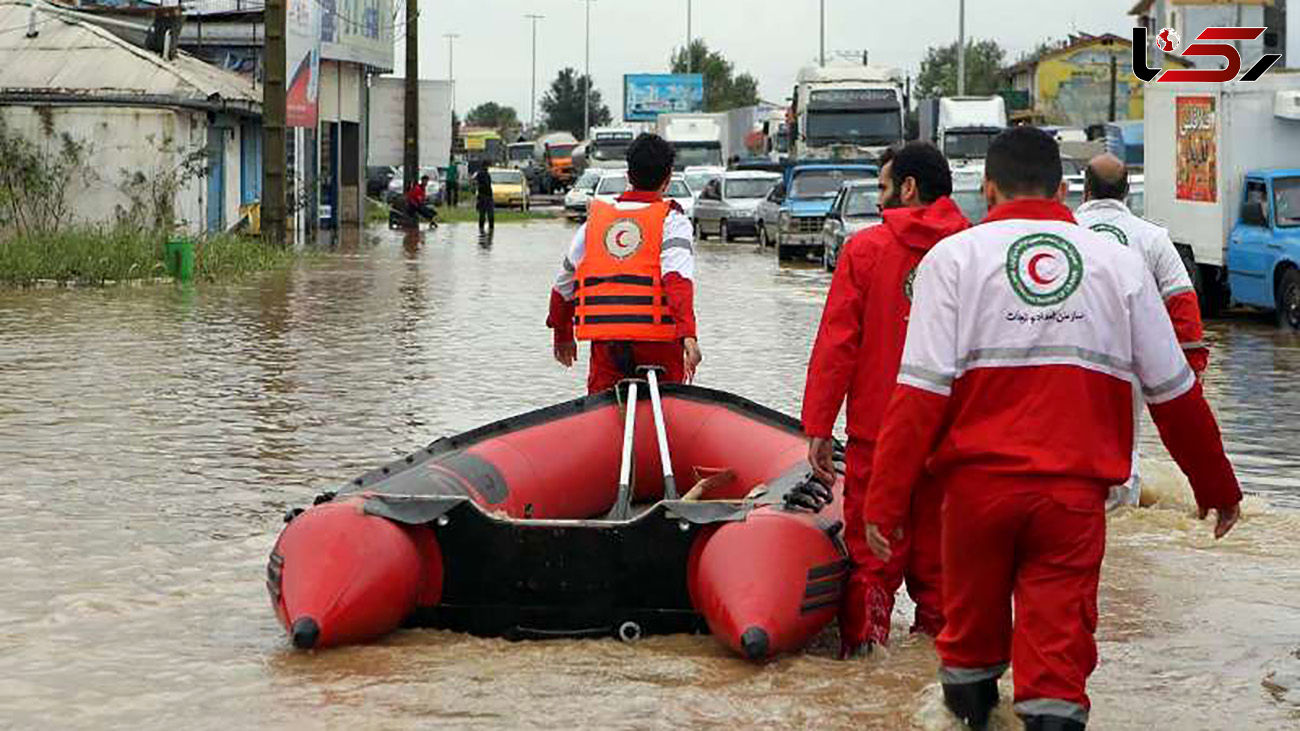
[{"x": 152, "y": 437}]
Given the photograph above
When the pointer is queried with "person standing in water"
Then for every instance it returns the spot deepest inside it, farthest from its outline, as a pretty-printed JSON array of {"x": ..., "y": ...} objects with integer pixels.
[
  {"x": 1015, "y": 393},
  {"x": 487, "y": 209},
  {"x": 627, "y": 281},
  {"x": 856, "y": 354}
]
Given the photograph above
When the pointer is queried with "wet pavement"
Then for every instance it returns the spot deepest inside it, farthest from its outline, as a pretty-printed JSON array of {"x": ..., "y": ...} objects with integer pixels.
[{"x": 152, "y": 437}]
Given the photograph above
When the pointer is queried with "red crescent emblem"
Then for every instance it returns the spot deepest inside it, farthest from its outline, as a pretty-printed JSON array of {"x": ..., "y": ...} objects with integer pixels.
[
  {"x": 1033, "y": 269},
  {"x": 618, "y": 240}
]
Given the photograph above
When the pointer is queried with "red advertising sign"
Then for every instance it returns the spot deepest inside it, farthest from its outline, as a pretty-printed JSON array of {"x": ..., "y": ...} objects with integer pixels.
[{"x": 1198, "y": 154}]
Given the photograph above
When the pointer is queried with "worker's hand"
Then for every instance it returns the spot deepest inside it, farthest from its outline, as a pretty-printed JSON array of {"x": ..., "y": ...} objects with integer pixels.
[
  {"x": 1225, "y": 519},
  {"x": 691, "y": 356},
  {"x": 878, "y": 543},
  {"x": 821, "y": 459},
  {"x": 566, "y": 353}
]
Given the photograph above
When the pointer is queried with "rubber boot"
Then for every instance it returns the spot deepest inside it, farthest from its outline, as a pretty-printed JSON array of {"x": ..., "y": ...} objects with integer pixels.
[
  {"x": 1052, "y": 723},
  {"x": 972, "y": 702}
]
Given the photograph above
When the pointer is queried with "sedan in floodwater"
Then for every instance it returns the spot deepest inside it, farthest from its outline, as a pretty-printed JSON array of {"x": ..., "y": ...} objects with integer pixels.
[
  {"x": 509, "y": 188},
  {"x": 728, "y": 207},
  {"x": 575, "y": 201},
  {"x": 854, "y": 209}
]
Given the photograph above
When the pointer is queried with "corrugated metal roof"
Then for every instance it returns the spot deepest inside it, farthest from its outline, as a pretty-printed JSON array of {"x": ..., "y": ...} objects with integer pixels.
[{"x": 70, "y": 57}]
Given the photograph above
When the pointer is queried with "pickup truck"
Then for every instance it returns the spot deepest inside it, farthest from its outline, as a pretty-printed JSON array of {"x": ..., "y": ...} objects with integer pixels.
[
  {"x": 1264, "y": 248},
  {"x": 793, "y": 215}
]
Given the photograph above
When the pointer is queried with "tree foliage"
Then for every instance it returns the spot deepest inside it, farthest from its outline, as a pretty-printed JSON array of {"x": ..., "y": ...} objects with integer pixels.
[
  {"x": 503, "y": 119},
  {"x": 983, "y": 70},
  {"x": 562, "y": 104},
  {"x": 723, "y": 88}
]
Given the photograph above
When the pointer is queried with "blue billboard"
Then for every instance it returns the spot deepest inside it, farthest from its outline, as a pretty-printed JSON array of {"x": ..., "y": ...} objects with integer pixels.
[{"x": 646, "y": 96}]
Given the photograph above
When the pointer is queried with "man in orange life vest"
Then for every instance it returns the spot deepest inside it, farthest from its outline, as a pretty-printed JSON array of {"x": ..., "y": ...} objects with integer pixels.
[{"x": 627, "y": 281}]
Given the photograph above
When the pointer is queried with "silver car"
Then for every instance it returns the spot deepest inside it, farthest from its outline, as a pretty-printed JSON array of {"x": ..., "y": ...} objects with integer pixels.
[
  {"x": 575, "y": 201},
  {"x": 768, "y": 215},
  {"x": 729, "y": 207},
  {"x": 855, "y": 208}
]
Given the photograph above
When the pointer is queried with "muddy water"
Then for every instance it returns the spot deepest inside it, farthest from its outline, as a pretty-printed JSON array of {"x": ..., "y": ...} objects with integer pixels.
[{"x": 151, "y": 438}]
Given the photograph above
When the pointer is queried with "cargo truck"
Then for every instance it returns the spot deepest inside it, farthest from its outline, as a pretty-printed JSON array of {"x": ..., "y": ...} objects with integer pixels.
[
  {"x": 699, "y": 139},
  {"x": 963, "y": 126},
  {"x": 555, "y": 150},
  {"x": 846, "y": 112},
  {"x": 1222, "y": 172}
]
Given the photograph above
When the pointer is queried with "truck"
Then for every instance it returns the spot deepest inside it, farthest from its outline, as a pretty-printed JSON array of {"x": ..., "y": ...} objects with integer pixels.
[
  {"x": 555, "y": 151},
  {"x": 699, "y": 139},
  {"x": 846, "y": 112},
  {"x": 606, "y": 148},
  {"x": 386, "y": 133},
  {"x": 963, "y": 126},
  {"x": 1222, "y": 173}
]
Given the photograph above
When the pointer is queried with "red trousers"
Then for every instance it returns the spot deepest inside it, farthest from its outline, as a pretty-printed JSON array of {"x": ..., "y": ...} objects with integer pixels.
[
  {"x": 1035, "y": 544},
  {"x": 869, "y": 598},
  {"x": 612, "y": 362}
]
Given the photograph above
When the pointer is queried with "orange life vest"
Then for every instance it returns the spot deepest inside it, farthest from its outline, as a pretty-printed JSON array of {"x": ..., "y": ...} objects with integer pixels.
[{"x": 620, "y": 292}]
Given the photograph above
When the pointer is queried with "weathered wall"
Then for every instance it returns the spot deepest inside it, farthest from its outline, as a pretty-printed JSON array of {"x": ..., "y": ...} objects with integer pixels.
[
  {"x": 121, "y": 139},
  {"x": 1074, "y": 88}
]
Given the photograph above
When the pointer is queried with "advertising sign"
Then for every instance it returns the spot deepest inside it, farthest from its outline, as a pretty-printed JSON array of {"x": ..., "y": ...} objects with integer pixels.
[
  {"x": 302, "y": 58},
  {"x": 359, "y": 31},
  {"x": 1197, "y": 156},
  {"x": 646, "y": 96}
]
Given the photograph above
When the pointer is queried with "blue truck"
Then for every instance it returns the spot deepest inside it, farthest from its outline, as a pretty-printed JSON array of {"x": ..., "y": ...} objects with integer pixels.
[
  {"x": 791, "y": 217},
  {"x": 1222, "y": 172}
]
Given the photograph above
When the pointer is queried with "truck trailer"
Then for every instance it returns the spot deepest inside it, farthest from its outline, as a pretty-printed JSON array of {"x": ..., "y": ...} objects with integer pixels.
[
  {"x": 1222, "y": 172},
  {"x": 846, "y": 112},
  {"x": 699, "y": 139}
]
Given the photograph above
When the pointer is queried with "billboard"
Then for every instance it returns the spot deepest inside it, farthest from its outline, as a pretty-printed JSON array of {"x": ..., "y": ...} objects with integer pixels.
[
  {"x": 358, "y": 31},
  {"x": 1197, "y": 152},
  {"x": 646, "y": 96},
  {"x": 302, "y": 61}
]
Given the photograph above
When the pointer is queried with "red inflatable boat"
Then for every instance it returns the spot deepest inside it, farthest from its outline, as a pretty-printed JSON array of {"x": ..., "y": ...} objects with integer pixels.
[{"x": 565, "y": 522}]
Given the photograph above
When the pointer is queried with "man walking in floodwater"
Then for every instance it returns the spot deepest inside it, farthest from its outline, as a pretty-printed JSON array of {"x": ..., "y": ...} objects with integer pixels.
[
  {"x": 856, "y": 354},
  {"x": 1104, "y": 210},
  {"x": 1015, "y": 392},
  {"x": 487, "y": 209},
  {"x": 627, "y": 281}
]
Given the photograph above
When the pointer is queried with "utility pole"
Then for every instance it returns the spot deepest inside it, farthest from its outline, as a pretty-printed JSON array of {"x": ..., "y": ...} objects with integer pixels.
[
  {"x": 690, "y": 59},
  {"x": 586, "y": 86},
  {"x": 533, "y": 99},
  {"x": 1114, "y": 82},
  {"x": 822, "y": 53},
  {"x": 411, "y": 153},
  {"x": 451, "y": 65},
  {"x": 273, "y": 120},
  {"x": 961, "y": 48}
]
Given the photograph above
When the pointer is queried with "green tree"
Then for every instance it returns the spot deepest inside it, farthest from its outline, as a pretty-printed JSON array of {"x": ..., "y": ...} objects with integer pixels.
[
  {"x": 562, "y": 104},
  {"x": 939, "y": 70},
  {"x": 723, "y": 89},
  {"x": 503, "y": 119}
]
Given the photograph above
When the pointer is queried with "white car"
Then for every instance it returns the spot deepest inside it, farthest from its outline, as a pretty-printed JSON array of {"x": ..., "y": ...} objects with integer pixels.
[
  {"x": 681, "y": 194},
  {"x": 397, "y": 185},
  {"x": 611, "y": 185},
  {"x": 728, "y": 207},
  {"x": 698, "y": 176},
  {"x": 575, "y": 201}
]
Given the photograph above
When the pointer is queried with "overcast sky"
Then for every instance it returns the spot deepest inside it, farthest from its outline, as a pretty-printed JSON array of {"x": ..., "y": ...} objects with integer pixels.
[{"x": 770, "y": 39}]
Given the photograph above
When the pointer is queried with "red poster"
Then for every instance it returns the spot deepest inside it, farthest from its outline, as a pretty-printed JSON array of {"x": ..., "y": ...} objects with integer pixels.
[{"x": 1198, "y": 158}]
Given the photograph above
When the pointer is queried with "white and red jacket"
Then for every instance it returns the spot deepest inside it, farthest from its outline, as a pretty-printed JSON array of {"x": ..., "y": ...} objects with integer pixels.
[
  {"x": 1113, "y": 218},
  {"x": 1025, "y": 337}
]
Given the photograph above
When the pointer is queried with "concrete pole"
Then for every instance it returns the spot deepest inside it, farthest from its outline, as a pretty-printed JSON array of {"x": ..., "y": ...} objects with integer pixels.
[
  {"x": 586, "y": 87},
  {"x": 533, "y": 99},
  {"x": 274, "y": 158},
  {"x": 822, "y": 52},
  {"x": 411, "y": 127},
  {"x": 451, "y": 65},
  {"x": 961, "y": 48},
  {"x": 690, "y": 60}
]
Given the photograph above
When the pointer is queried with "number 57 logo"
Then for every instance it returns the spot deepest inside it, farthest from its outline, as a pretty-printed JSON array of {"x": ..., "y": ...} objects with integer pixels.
[{"x": 1167, "y": 41}]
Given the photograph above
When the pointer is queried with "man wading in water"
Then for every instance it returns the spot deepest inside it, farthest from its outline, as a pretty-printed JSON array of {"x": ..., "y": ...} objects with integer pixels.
[
  {"x": 627, "y": 282},
  {"x": 1015, "y": 392}
]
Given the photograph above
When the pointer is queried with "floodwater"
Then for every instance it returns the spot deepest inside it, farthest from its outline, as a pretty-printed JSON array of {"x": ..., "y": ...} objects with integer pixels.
[{"x": 152, "y": 437}]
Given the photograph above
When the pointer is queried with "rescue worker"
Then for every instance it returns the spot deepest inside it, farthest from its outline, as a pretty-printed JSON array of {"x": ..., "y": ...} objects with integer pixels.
[
  {"x": 1014, "y": 392},
  {"x": 627, "y": 280},
  {"x": 857, "y": 351},
  {"x": 1104, "y": 210}
]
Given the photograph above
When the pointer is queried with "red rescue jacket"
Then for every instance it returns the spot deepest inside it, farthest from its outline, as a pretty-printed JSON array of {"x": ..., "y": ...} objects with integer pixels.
[{"x": 864, "y": 325}]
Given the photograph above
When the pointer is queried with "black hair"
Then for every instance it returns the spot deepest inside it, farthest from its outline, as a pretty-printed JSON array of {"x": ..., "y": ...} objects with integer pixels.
[
  {"x": 1024, "y": 162},
  {"x": 924, "y": 163},
  {"x": 1098, "y": 187},
  {"x": 650, "y": 161}
]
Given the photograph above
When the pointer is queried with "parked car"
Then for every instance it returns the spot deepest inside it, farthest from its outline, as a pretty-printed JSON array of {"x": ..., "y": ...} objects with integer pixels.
[
  {"x": 809, "y": 192},
  {"x": 611, "y": 185},
  {"x": 509, "y": 188},
  {"x": 699, "y": 176},
  {"x": 377, "y": 179},
  {"x": 680, "y": 193},
  {"x": 855, "y": 208},
  {"x": 728, "y": 206},
  {"x": 397, "y": 185},
  {"x": 575, "y": 201}
]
